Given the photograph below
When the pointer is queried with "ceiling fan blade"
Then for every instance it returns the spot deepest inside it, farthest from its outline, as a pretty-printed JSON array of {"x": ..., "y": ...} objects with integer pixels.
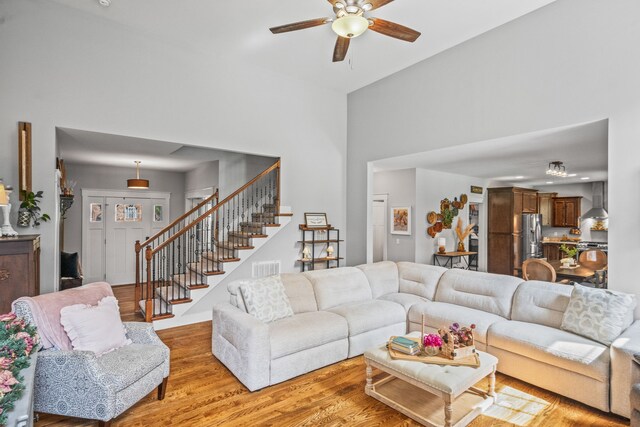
[
  {"x": 340, "y": 51},
  {"x": 299, "y": 25},
  {"x": 392, "y": 29},
  {"x": 376, "y": 4}
]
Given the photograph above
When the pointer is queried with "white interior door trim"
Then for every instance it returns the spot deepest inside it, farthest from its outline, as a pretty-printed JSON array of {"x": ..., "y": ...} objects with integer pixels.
[{"x": 384, "y": 198}]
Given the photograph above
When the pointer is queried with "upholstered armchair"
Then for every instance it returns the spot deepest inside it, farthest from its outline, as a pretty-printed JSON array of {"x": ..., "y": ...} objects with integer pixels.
[{"x": 84, "y": 385}]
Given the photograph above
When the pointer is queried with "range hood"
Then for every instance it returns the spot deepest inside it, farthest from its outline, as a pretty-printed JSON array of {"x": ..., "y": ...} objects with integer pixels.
[{"x": 597, "y": 212}]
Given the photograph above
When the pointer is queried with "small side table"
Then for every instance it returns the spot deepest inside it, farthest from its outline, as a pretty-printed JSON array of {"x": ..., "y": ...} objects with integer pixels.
[{"x": 467, "y": 257}]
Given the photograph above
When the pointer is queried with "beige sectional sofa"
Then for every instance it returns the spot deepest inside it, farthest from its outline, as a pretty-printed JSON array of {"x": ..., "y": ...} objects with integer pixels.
[{"x": 339, "y": 313}]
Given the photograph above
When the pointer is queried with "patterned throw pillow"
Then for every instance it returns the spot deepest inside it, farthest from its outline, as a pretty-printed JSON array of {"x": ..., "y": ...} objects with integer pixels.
[
  {"x": 266, "y": 299},
  {"x": 598, "y": 314}
]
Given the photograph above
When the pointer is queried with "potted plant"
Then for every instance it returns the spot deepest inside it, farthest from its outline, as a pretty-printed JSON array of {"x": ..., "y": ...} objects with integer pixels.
[
  {"x": 570, "y": 252},
  {"x": 29, "y": 213}
]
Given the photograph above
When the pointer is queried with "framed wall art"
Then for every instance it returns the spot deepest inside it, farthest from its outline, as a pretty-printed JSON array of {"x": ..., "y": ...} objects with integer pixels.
[
  {"x": 401, "y": 220},
  {"x": 24, "y": 158},
  {"x": 158, "y": 214},
  {"x": 95, "y": 211},
  {"x": 315, "y": 220}
]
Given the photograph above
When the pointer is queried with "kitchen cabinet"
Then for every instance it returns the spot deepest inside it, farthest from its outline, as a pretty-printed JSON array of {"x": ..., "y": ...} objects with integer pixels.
[
  {"x": 529, "y": 202},
  {"x": 545, "y": 207},
  {"x": 19, "y": 269},
  {"x": 566, "y": 211},
  {"x": 551, "y": 251},
  {"x": 504, "y": 241}
]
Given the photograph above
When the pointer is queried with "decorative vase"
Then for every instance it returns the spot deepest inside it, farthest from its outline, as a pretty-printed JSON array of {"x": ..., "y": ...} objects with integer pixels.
[
  {"x": 431, "y": 351},
  {"x": 461, "y": 247},
  {"x": 24, "y": 218}
]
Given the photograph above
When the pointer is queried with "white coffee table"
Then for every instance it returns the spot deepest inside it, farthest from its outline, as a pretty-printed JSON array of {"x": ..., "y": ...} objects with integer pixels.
[{"x": 433, "y": 395}]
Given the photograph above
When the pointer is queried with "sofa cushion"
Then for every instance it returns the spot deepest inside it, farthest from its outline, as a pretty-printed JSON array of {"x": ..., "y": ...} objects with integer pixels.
[
  {"x": 235, "y": 297},
  {"x": 552, "y": 346},
  {"x": 543, "y": 303},
  {"x": 382, "y": 277},
  {"x": 305, "y": 330},
  {"x": 440, "y": 314},
  {"x": 598, "y": 314},
  {"x": 488, "y": 292},
  {"x": 405, "y": 300},
  {"x": 366, "y": 316},
  {"x": 265, "y": 299},
  {"x": 300, "y": 292},
  {"x": 128, "y": 364},
  {"x": 338, "y": 286},
  {"x": 419, "y": 279}
]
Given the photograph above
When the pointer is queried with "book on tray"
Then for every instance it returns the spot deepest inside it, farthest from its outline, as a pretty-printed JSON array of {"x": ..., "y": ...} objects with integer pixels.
[{"x": 404, "y": 345}]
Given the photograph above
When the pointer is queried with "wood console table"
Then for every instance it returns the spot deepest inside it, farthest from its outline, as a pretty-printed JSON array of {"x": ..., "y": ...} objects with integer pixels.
[
  {"x": 468, "y": 258},
  {"x": 19, "y": 268}
]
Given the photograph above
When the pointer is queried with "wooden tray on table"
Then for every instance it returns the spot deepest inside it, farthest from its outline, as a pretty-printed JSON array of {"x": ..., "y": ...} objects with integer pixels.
[{"x": 473, "y": 360}]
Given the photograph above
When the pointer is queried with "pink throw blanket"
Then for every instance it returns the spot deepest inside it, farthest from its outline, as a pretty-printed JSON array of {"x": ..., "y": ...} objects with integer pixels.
[{"x": 46, "y": 311}]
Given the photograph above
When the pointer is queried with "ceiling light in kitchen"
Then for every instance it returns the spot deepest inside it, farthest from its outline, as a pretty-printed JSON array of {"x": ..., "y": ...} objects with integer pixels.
[{"x": 557, "y": 169}]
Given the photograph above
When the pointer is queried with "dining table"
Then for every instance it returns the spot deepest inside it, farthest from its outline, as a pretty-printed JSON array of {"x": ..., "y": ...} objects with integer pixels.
[{"x": 578, "y": 273}]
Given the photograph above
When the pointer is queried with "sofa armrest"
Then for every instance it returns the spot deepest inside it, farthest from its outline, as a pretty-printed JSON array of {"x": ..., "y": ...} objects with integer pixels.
[
  {"x": 241, "y": 342},
  {"x": 144, "y": 333},
  {"x": 57, "y": 372},
  {"x": 624, "y": 371}
]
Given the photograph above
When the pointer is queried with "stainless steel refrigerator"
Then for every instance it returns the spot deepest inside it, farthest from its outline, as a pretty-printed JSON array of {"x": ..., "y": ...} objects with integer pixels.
[{"x": 531, "y": 236}]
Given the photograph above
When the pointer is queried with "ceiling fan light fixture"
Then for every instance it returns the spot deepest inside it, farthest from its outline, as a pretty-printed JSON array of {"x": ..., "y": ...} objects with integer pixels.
[
  {"x": 137, "y": 183},
  {"x": 350, "y": 26}
]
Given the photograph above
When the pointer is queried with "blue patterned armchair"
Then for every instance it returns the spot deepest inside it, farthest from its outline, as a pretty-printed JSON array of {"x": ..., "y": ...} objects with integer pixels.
[{"x": 80, "y": 384}]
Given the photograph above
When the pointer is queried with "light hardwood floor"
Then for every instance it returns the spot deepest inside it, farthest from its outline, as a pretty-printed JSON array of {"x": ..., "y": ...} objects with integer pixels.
[{"x": 202, "y": 392}]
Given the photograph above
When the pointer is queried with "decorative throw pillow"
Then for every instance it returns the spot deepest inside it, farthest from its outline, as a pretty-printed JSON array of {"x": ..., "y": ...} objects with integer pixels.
[
  {"x": 69, "y": 265},
  {"x": 95, "y": 328},
  {"x": 266, "y": 299},
  {"x": 598, "y": 314}
]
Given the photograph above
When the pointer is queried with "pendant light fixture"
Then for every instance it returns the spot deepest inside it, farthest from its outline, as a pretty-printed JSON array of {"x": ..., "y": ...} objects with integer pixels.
[
  {"x": 557, "y": 169},
  {"x": 137, "y": 183}
]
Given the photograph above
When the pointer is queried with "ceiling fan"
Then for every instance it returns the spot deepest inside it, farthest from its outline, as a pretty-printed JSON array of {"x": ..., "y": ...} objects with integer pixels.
[{"x": 350, "y": 22}]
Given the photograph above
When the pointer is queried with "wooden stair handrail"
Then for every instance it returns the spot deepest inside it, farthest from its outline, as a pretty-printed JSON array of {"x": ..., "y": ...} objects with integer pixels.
[
  {"x": 183, "y": 216},
  {"x": 265, "y": 172}
]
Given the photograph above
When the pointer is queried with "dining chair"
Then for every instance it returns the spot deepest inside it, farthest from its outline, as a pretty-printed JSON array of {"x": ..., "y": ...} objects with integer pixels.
[
  {"x": 538, "y": 269},
  {"x": 593, "y": 259}
]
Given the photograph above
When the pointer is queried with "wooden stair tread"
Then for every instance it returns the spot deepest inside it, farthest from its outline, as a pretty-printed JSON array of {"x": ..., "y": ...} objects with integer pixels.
[
  {"x": 199, "y": 268},
  {"x": 284, "y": 214},
  {"x": 175, "y": 294},
  {"x": 233, "y": 246},
  {"x": 247, "y": 235},
  {"x": 272, "y": 225}
]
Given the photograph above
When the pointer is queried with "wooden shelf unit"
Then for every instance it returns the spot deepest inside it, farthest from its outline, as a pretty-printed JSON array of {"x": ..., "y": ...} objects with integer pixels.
[{"x": 332, "y": 237}]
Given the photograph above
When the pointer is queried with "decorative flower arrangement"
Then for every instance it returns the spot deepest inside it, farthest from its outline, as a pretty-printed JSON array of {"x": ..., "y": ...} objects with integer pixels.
[
  {"x": 432, "y": 340},
  {"x": 462, "y": 336},
  {"x": 432, "y": 344},
  {"x": 17, "y": 341}
]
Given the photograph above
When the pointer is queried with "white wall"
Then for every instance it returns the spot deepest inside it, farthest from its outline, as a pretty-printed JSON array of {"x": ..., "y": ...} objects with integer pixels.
[
  {"x": 204, "y": 175},
  {"x": 570, "y": 62},
  {"x": 62, "y": 67},
  {"x": 400, "y": 186},
  {"x": 431, "y": 188},
  {"x": 114, "y": 178}
]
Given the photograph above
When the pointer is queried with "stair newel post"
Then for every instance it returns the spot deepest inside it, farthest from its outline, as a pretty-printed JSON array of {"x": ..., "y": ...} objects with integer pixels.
[
  {"x": 138, "y": 290},
  {"x": 148, "y": 303},
  {"x": 278, "y": 187}
]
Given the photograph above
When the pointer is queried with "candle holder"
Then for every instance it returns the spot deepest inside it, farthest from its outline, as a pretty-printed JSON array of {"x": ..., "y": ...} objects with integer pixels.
[{"x": 442, "y": 243}]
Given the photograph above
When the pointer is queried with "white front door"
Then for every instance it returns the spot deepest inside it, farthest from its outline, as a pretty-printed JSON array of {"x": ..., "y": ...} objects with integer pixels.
[
  {"x": 127, "y": 220},
  {"x": 379, "y": 227}
]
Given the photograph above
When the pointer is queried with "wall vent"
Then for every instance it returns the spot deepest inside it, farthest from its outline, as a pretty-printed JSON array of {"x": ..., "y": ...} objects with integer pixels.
[{"x": 265, "y": 268}]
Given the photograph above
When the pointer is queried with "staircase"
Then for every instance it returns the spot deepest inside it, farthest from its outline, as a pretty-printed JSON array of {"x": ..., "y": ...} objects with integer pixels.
[{"x": 180, "y": 264}]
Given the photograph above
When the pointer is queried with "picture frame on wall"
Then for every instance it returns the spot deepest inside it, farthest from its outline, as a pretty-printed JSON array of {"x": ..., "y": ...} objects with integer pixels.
[
  {"x": 315, "y": 220},
  {"x": 158, "y": 214},
  {"x": 95, "y": 211},
  {"x": 401, "y": 220}
]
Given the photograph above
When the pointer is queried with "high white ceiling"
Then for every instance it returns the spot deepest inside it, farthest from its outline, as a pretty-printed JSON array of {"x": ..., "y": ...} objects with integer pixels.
[
  {"x": 240, "y": 29},
  {"x": 521, "y": 159},
  {"x": 95, "y": 148}
]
